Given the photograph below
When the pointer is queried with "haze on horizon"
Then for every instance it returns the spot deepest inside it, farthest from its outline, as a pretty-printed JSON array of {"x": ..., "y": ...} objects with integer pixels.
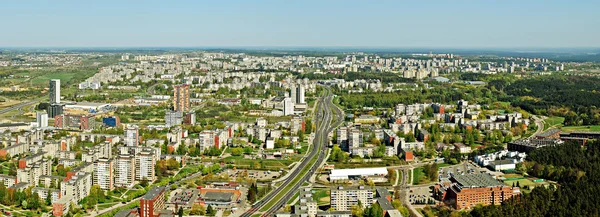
[{"x": 444, "y": 24}]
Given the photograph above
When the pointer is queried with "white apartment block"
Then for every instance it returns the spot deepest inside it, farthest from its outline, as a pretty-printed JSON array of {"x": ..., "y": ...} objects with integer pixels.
[
  {"x": 144, "y": 166},
  {"x": 44, "y": 192},
  {"x": 8, "y": 180},
  {"x": 344, "y": 197},
  {"x": 132, "y": 135},
  {"x": 103, "y": 173},
  {"x": 77, "y": 187},
  {"x": 125, "y": 171}
]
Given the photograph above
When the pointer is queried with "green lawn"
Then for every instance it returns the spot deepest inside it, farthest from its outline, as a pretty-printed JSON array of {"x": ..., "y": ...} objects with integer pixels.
[
  {"x": 293, "y": 198},
  {"x": 553, "y": 121},
  {"x": 523, "y": 183},
  {"x": 444, "y": 165},
  {"x": 417, "y": 173},
  {"x": 589, "y": 128}
]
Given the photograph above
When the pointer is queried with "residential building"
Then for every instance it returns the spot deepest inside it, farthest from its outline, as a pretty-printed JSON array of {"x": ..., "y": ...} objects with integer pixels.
[
  {"x": 288, "y": 107},
  {"x": 103, "y": 173},
  {"x": 42, "y": 119},
  {"x": 144, "y": 166},
  {"x": 77, "y": 186},
  {"x": 152, "y": 202},
  {"x": 125, "y": 171},
  {"x": 181, "y": 98},
  {"x": 344, "y": 197},
  {"x": 132, "y": 135},
  {"x": 173, "y": 118}
]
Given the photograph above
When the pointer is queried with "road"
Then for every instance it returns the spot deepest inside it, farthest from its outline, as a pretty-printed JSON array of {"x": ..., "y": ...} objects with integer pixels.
[
  {"x": 324, "y": 118},
  {"x": 540, "y": 125},
  {"x": 18, "y": 106}
]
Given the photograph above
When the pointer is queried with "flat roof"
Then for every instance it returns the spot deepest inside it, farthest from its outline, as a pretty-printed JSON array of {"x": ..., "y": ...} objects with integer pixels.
[
  {"x": 218, "y": 196},
  {"x": 549, "y": 132},
  {"x": 359, "y": 171},
  {"x": 477, "y": 180},
  {"x": 150, "y": 195}
]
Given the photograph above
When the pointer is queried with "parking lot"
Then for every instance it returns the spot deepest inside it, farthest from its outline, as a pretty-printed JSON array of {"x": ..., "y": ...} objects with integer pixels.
[
  {"x": 263, "y": 175},
  {"x": 419, "y": 194}
]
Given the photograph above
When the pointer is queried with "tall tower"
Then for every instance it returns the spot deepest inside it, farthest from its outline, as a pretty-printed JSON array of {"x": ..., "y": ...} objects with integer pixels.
[
  {"x": 300, "y": 97},
  {"x": 293, "y": 93},
  {"x": 54, "y": 91},
  {"x": 181, "y": 98}
]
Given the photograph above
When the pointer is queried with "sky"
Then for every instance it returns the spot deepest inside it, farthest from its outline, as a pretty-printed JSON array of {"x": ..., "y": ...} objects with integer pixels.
[{"x": 304, "y": 23}]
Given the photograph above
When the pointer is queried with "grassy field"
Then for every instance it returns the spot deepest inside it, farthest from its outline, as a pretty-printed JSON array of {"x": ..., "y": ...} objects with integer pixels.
[
  {"x": 508, "y": 176},
  {"x": 444, "y": 165},
  {"x": 291, "y": 201},
  {"x": 589, "y": 128},
  {"x": 523, "y": 183},
  {"x": 553, "y": 121},
  {"x": 417, "y": 173}
]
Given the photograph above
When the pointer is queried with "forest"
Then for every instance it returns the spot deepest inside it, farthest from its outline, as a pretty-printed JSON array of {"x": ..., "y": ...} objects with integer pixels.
[
  {"x": 572, "y": 97},
  {"x": 576, "y": 170}
]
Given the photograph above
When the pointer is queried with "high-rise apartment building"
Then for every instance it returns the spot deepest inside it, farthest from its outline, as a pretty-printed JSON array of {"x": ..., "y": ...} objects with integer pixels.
[
  {"x": 54, "y": 91},
  {"x": 300, "y": 94},
  {"x": 144, "y": 166},
  {"x": 294, "y": 93},
  {"x": 181, "y": 98},
  {"x": 288, "y": 107},
  {"x": 42, "y": 119},
  {"x": 103, "y": 173},
  {"x": 125, "y": 171},
  {"x": 132, "y": 135},
  {"x": 173, "y": 118}
]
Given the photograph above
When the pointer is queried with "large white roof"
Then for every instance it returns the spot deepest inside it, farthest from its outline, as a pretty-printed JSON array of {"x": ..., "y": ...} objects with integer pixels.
[{"x": 358, "y": 172}]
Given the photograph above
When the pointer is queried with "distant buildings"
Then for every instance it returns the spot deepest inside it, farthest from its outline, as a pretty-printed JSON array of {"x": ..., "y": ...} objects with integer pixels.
[
  {"x": 173, "y": 118},
  {"x": 181, "y": 98},
  {"x": 111, "y": 121}
]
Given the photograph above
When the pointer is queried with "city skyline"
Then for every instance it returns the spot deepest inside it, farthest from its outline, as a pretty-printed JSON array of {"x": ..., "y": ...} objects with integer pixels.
[{"x": 389, "y": 24}]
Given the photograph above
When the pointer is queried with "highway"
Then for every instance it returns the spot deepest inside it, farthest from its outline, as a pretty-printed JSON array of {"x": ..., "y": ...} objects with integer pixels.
[
  {"x": 18, "y": 106},
  {"x": 324, "y": 118}
]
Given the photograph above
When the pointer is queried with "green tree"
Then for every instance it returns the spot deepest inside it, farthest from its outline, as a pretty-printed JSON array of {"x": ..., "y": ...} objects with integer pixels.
[{"x": 210, "y": 211}]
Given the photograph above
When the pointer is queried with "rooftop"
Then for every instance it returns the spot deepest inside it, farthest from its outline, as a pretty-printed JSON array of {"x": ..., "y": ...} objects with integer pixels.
[
  {"x": 477, "y": 180},
  {"x": 549, "y": 132},
  {"x": 218, "y": 196},
  {"x": 150, "y": 195}
]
